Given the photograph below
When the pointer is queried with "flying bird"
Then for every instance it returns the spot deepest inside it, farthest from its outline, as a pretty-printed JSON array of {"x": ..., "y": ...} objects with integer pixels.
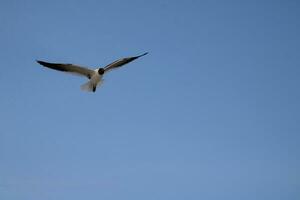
[{"x": 94, "y": 76}]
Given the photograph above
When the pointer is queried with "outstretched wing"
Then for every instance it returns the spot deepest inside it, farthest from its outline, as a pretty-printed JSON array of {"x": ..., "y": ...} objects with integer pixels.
[
  {"x": 121, "y": 62},
  {"x": 83, "y": 71}
]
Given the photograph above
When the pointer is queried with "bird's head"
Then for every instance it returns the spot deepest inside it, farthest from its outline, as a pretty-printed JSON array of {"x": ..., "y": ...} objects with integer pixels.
[{"x": 101, "y": 71}]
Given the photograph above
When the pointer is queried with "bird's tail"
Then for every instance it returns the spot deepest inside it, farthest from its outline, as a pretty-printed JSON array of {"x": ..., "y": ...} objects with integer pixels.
[{"x": 88, "y": 87}]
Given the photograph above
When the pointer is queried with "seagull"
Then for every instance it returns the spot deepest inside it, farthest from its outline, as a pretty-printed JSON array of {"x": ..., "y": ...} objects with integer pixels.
[{"x": 94, "y": 76}]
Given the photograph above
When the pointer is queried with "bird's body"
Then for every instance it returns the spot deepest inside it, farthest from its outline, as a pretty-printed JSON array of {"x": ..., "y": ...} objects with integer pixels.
[
  {"x": 93, "y": 83},
  {"x": 95, "y": 76}
]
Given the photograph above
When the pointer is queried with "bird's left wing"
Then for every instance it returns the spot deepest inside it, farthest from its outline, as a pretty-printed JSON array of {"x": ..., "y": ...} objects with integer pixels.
[
  {"x": 83, "y": 71},
  {"x": 121, "y": 62}
]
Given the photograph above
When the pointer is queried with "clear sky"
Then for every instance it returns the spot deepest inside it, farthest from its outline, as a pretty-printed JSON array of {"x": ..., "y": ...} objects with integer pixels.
[{"x": 212, "y": 112}]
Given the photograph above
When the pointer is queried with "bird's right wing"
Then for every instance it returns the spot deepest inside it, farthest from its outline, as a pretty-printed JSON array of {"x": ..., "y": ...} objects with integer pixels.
[
  {"x": 83, "y": 71},
  {"x": 121, "y": 62}
]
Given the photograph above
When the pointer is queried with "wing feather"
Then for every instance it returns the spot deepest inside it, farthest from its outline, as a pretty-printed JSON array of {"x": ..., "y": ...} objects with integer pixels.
[
  {"x": 121, "y": 62},
  {"x": 83, "y": 71}
]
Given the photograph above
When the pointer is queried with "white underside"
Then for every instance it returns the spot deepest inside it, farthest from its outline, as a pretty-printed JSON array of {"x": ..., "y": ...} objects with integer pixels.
[{"x": 95, "y": 81}]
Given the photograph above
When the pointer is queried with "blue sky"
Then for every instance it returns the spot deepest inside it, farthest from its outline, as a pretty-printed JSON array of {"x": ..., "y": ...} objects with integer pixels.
[{"x": 212, "y": 112}]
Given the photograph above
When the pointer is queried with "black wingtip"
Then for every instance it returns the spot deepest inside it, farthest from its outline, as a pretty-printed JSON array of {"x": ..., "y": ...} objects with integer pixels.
[
  {"x": 143, "y": 54},
  {"x": 40, "y": 62},
  {"x": 45, "y": 64}
]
